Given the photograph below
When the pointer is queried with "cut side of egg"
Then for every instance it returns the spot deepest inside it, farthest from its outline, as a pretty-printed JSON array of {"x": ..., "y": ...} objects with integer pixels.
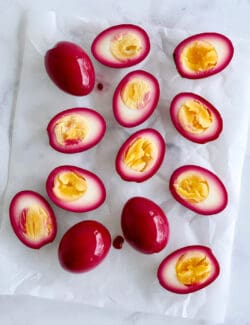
[
  {"x": 198, "y": 189},
  {"x": 135, "y": 98},
  {"x": 195, "y": 118},
  {"x": 75, "y": 189},
  {"x": 140, "y": 157},
  {"x": 121, "y": 46},
  {"x": 188, "y": 269},
  {"x": 75, "y": 130},
  {"x": 32, "y": 219},
  {"x": 203, "y": 55}
]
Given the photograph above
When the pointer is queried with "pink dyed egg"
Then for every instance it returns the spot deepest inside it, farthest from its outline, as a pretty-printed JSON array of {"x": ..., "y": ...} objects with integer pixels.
[
  {"x": 135, "y": 98},
  {"x": 198, "y": 189},
  {"x": 141, "y": 155},
  {"x": 121, "y": 46},
  {"x": 75, "y": 189},
  {"x": 203, "y": 55},
  {"x": 32, "y": 219},
  {"x": 75, "y": 130}
]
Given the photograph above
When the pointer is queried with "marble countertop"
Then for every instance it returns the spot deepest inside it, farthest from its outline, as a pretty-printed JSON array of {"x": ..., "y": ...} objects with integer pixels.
[{"x": 230, "y": 17}]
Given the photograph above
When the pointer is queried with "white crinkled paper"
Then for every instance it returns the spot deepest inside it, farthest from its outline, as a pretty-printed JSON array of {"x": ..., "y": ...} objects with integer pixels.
[{"x": 126, "y": 279}]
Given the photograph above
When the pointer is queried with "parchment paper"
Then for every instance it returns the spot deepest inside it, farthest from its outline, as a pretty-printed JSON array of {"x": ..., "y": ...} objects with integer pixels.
[{"x": 126, "y": 279}]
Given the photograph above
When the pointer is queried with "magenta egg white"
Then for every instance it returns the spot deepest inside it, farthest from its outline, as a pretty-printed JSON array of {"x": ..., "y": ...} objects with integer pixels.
[
  {"x": 217, "y": 198},
  {"x": 94, "y": 122},
  {"x": 101, "y": 45},
  {"x": 128, "y": 117},
  {"x": 211, "y": 133},
  {"x": 94, "y": 196},
  {"x": 222, "y": 45},
  {"x": 151, "y": 136},
  {"x": 167, "y": 270},
  {"x": 18, "y": 211}
]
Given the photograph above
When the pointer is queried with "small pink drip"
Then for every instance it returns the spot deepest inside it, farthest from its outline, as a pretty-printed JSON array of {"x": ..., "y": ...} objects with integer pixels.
[
  {"x": 118, "y": 242},
  {"x": 100, "y": 86}
]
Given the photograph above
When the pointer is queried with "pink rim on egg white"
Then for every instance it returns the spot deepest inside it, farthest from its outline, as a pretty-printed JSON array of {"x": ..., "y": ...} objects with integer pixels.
[
  {"x": 224, "y": 49},
  {"x": 95, "y": 194},
  {"x": 18, "y": 209},
  {"x": 167, "y": 274},
  {"x": 129, "y": 174},
  {"x": 128, "y": 117},
  {"x": 101, "y": 45},
  {"x": 211, "y": 133},
  {"x": 96, "y": 127},
  {"x": 217, "y": 198}
]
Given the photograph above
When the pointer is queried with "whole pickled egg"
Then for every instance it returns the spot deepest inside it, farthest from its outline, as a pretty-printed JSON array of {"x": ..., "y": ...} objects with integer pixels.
[
  {"x": 70, "y": 68},
  {"x": 84, "y": 246},
  {"x": 144, "y": 225}
]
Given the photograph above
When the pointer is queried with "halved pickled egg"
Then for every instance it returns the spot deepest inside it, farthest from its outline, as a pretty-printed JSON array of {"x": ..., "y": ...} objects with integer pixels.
[
  {"x": 198, "y": 189},
  {"x": 195, "y": 118},
  {"x": 32, "y": 219},
  {"x": 121, "y": 46},
  {"x": 141, "y": 155},
  {"x": 188, "y": 269},
  {"x": 75, "y": 130},
  {"x": 75, "y": 189},
  {"x": 203, "y": 55},
  {"x": 135, "y": 98}
]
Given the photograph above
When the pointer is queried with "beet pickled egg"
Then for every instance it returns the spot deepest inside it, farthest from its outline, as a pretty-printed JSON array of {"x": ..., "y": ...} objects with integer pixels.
[
  {"x": 121, "y": 46},
  {"x": 188, "y": 269},
  {"x": 135, "y": 98},
  {"x": 144, "y": 225},
  {"x": 32, "y": 219},
  {"x": 198, "y": 189},
  {"x": 75, "y": 130},
  {"x": 75, "y": 189},
  {"x": 195, "y": 118},
  {"x": 84, "y": 246},
  {"x": 70, "y": 68},
  {"x": 203, "y": 55},
  {"x": 141, "y": 155}
]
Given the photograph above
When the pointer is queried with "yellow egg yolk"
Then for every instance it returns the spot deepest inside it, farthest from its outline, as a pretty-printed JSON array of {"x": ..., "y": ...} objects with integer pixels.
[
  {"x": 199, "y": 56},
  {"x": 69, "y": 186},
  {"x": 36, "y": 223},
  {"x": 140, "y": 154},
  {"x": 125, "y": 46},
  {"x": 193, "y": 188},
  {"x": 192, "y": 269},
  {"x": 71, "y": 129},
  {"x": 136, "y": 93},
  {"x": 194, "y": 117}
]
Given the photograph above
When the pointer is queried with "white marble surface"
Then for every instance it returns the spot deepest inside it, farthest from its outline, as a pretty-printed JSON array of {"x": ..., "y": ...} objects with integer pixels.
[{"x": 231, "y": 17}]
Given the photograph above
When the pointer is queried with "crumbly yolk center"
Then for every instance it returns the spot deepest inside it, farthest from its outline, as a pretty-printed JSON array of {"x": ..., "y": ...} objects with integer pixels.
[
  {"x": 71, "y": 129},
  {"x": 193, "y": 269},
  {"x": 36, "y": 223},
  {"x": 125, "y": 46},
  {"x": 199, "y": 56},
  {"x": 69, "y": 186},
  {"x": 195, "y": 117},
  {"x": 140, "y": 154},
  {"x": 136, "y": 93},
  {"x": 193, "y": 188}
]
